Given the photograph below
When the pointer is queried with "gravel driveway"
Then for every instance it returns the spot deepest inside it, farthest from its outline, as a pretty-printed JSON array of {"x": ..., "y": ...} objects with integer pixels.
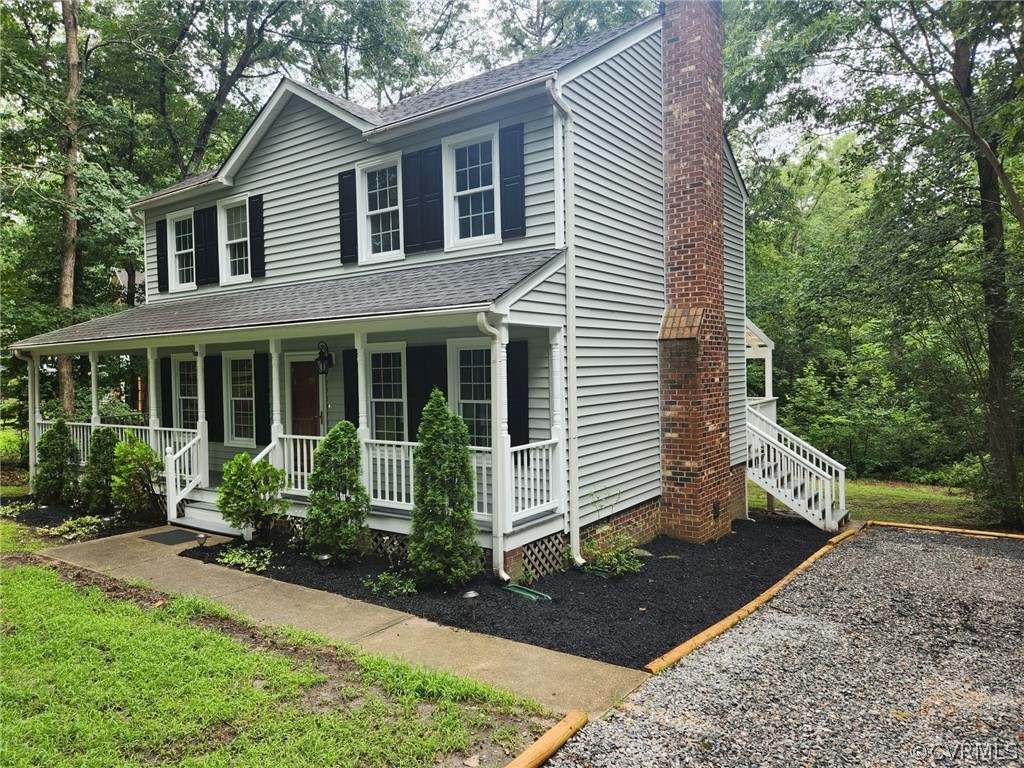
[{"x": 899, "y": 648}]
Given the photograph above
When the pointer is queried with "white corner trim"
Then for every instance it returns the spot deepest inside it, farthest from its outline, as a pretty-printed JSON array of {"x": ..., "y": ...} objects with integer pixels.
[{"x": 609, "y": 50}]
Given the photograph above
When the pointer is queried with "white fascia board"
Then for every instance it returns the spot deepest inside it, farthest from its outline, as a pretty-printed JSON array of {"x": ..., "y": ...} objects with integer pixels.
[
  {"x": 170, "y": 197},
  {"x": 442, "y": 317},
  {"x": 612, "y": 48},
  {"x": 761, "y": 335},
  {"x": 504, "y": 304},
  {"x": 444, "y": 115},
  {"x": 730, "y": 160},
  {"x": 258, "y": 127}
]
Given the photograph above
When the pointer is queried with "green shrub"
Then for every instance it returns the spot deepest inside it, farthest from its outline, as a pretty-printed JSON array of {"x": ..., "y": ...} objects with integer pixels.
[
  {"x": 56, "y": 480},
  {"x": 338, "y": 501},
  {"x": 615, "y": 555},
  {"x": 136, "y": 468},
  {"x": 13, "y": 447},
  {"x": 442, "y": 546},
  {"x": 391, "y": 584},
  {"x": 76, "y": 528},
  {"x": 248, "y": 559},
  {"x": 250, "y": 494},
  {"x": 98, "y": 478}
]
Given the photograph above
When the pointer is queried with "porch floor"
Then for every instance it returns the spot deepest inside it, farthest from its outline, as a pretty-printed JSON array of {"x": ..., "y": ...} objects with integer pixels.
[{"x": 559, "y": 681}]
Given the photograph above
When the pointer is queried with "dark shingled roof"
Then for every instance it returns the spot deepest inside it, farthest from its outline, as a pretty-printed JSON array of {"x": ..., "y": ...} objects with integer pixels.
[
  {"x": 450, "y": 95},
  {"x": 467, "y": 283}
]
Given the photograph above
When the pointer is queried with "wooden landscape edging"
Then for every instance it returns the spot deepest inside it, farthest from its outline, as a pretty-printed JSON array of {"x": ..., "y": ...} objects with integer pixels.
[
  {"x": 695, "y": 642},
  {"x": 538, "y": 753},
  {"x": 943, "y": 529}
]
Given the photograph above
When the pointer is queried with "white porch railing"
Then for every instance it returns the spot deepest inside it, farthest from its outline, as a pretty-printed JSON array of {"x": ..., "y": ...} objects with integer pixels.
[
  {"x": 159, "y": 438},
  {"x": 389, "y": 466},
  {"x": 533, "y": 478},
  {"x": 297, "y": 455},
  {"x": 483, "y": 471},
  {"x": 81, "y": 431},
  {"x": 181, "y": 473}
]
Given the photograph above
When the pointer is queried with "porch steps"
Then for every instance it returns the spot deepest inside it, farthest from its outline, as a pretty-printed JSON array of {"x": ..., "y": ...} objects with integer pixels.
[
  {"x": 809, "y": 482},
  {"x": 204, "y": 516}
]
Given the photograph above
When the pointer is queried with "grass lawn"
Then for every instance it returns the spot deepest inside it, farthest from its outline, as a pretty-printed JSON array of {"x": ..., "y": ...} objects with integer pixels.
[
  {"x": 93, "y": 681},
  {"x": 898, "y": 502}
]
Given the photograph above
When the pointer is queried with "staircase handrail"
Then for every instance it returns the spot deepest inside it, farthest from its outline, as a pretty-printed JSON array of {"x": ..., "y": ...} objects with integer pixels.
[
  {"x": 824, "y": 457},
  {"x": 262, "y": 455},
  {"x": 790, "y": 453}
]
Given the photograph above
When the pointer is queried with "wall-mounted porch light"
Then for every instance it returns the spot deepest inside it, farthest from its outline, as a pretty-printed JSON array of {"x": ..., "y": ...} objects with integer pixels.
[{"x": 324, "y": 360}]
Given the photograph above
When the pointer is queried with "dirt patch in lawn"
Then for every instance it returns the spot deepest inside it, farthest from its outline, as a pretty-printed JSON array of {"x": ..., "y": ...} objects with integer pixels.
[{"x": 683, "y": 589}]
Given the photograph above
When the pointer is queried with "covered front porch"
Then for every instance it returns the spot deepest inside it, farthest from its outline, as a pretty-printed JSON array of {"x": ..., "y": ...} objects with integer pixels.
[{"x": 275, "y": 399}]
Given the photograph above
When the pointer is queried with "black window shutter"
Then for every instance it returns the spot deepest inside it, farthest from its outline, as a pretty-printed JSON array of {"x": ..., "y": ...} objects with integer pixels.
[
  {"x": 350, "y": 384},
  {"x": 347, "y": 210},
  {"x": 432, "y": 198},
  {"x": 518, "y": 393},
  {"x": 166, "y": 393},
  {"x": 261, "y": 396},
  {"x": 513, "y": 192},
  {"x": 427, "y": 368},
  {"x": 213, "y": 380},
  {"x": 257, "y": 253},
  {"x": 162, "y": 285},
  {"x": 207, "y": 255},
  {"x": 412, "y": 209}
]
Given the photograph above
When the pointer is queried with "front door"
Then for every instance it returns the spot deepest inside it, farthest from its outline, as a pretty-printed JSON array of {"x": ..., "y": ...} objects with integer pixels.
[{"x": 306, "y": 419}]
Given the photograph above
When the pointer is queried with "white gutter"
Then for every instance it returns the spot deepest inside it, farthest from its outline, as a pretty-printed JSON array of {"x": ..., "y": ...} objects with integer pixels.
[
  {"x": 499, "y": 336},
  {"x": 568, "y": 132}
]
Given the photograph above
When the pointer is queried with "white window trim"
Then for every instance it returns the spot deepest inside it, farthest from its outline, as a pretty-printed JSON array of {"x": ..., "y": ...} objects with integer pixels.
[
  {"x": 366, "y": 255},
  {"x": 229, "y": 437},
  {"x": 172, "y": 255},
  {"x": 176, "y": 386},
  {"x": 455, "y": 346},
  {"x": 452, "y": 241},
  {"x": 397, "y": 346},
  {"x": 222, "y": 240}
]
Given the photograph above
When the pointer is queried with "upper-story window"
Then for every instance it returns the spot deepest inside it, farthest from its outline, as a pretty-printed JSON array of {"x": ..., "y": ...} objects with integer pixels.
[
  {"x": 472, "y": 200},
  {"x": 234, "y": 230},
  {"x": 182, "y": 238},
  {"x": 379, "y": 198}
]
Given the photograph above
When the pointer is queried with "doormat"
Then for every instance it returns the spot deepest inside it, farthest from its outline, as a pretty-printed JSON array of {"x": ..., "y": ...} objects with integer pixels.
[{"x": 171, "y": 537}]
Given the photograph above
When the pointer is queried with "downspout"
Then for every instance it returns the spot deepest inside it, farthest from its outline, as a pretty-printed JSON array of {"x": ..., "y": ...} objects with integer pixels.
[
  {"x": 569, "y": 134},
  {"x": 497, "y": 462}
]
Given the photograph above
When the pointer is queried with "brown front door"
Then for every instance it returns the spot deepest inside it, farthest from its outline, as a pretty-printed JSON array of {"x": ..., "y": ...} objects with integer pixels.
[{"x": 305, "y": 399}]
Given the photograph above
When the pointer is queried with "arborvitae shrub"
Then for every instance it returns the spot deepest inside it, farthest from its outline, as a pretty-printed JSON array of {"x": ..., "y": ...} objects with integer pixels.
[
  {"x": 98, "y": 478},
  {"x": 442, "y": 547},
  {"x": 56, "y": 480},
  {"x": 136, "y": 468},
  {"x": 250, "y": 494},
  {"x": 338, "y": 501}
]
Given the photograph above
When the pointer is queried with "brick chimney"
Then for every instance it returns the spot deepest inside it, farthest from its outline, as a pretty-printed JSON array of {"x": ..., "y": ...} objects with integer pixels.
[{"x": 693, "y": 344}]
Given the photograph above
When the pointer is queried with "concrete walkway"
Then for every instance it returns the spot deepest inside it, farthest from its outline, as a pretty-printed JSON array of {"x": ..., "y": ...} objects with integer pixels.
[{"x": 557, "y": 680}]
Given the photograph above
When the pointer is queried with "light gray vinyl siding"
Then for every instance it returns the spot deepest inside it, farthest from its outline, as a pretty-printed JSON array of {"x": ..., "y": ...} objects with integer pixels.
[
  {"x": 735, "y": 312},
  {"x": 295, "y": 167},
  {"x": 620, "y": 286}
]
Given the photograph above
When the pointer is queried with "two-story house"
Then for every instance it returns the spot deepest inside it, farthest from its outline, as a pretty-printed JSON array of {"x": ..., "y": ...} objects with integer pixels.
[{"x": 557, "y": 244}]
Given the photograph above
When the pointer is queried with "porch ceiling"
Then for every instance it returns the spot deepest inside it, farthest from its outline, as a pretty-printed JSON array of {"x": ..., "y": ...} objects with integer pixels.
[{"x": 470, "y": 284}]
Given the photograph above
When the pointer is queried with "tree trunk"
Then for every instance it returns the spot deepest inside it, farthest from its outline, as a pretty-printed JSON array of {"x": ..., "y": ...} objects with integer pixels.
[
  {"x": 69, "y": 218},
  {"x": 1006, "y": 492}
]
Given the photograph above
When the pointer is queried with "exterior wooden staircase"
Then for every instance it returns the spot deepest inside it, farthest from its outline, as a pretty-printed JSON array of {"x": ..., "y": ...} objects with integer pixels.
[{"x": 803, "y": 478}]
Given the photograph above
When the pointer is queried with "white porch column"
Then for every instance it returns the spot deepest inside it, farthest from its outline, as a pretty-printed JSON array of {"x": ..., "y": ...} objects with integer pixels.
[
  {"x": 154, "y": 419},
  {"x": 363, "y": 427},
  {"x": 557, "y": 389},
  {"x": 276, "y": 421},
  {"x": 94, "y": 380},
  {"x": 768, "y": 374},
  {"x": 34, "y": 417},
  {"x": 502, "y": 444},
  {"x": 202, "y": 426}
]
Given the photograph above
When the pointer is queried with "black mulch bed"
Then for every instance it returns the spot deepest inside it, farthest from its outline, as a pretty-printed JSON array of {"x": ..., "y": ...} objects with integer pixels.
[
  {"x": 51, "y": 516},
  {"x": 682, "y": 590}
]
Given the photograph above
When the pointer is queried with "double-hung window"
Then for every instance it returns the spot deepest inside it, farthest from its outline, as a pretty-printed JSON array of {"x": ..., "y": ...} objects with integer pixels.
[
  {"x": 469, "y": 363},
  {"x": 472, "y": 192},
  {"x": 387, "y": 392},
  {"x": 233, "y": 218},
  {"x": 182, "y": 237},
  {"x": 185, "y": 383},
  {"x": 379, "y": 208},
  {"x": 239, "y": 399}
]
